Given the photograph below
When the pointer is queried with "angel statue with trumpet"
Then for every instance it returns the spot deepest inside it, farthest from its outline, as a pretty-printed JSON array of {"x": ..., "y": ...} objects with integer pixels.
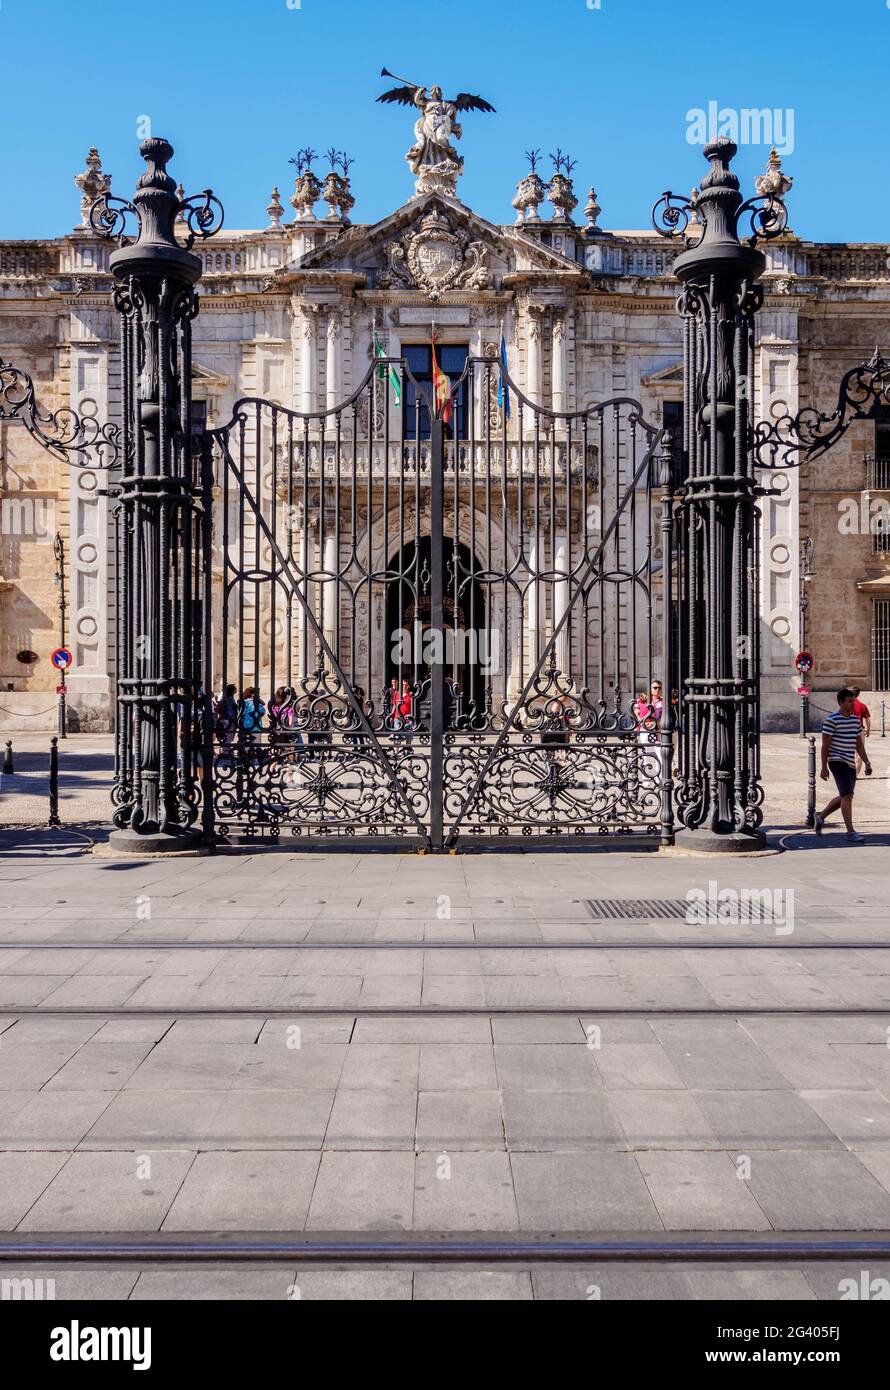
[{"x": 433, "y": 159}]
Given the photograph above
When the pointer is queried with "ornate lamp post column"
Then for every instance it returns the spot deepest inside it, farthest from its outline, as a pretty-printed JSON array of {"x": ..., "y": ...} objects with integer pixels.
[
  {"x": 805, "y": 577},
  {"x": 719, "y": 800},
  {"x": 162, "y": 702},
  {"x": 59, "y": 579}
]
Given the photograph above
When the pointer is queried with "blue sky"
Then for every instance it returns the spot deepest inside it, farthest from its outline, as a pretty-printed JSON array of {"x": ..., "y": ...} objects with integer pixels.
[{"x": 239, "y": 85}]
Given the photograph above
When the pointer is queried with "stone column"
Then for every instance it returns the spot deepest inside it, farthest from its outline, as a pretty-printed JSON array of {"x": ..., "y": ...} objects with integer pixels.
[
  {"x": 477, "y": 349},
  {"x": 329, "y": 587},
  {"x": 334, "y": 360},
  {"x": 561, "y": 594},
  {"x": 308, "y": 361},
  {"x": 533, "y": 593},
  {"x": 558, "y": 391},
  {"x": 533, "y": 332}
]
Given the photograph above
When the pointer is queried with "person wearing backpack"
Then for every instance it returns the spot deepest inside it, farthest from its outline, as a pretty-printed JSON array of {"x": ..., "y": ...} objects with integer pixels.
[{"x": 252, "y": 712}]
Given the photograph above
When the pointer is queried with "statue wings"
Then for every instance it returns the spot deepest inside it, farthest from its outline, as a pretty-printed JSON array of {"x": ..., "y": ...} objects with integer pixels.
[
  {"x": 464, "y": 101},
  {"x": 403, "y": 95}
]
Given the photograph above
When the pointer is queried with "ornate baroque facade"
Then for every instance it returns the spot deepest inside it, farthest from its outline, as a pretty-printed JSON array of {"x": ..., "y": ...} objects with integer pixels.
[{"x": 289, "y": 313}]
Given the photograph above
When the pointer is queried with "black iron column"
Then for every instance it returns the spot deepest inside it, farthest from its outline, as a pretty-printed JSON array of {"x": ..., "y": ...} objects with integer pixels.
[
  {"x": 59, "y": 577},
  {"x": 437, "y": 625},
  {"x": 719, "y": 800},
  {"x": 159, "y": 687}
]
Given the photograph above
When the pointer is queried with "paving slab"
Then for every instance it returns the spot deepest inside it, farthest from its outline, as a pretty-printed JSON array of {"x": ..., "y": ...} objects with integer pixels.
[
  {"x": 582, "y": 1192},
  {"x": 464, "y": 1191},
  {"x": 244, "y": 1191},
  {"x": 363, "y": 1191},
  {"x": 373, "y": 1119},
  {"x": 550, "y": 1121},
  {"x": 700, "y": 1192},
  {"x": 471, "y": 1286},
  {"x": 817, "y": 1191},
  {"x": 104, "y": 1192}
]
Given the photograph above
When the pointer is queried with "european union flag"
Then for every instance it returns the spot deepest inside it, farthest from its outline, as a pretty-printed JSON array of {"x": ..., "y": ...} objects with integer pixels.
[{"x": 503, "y": 388}]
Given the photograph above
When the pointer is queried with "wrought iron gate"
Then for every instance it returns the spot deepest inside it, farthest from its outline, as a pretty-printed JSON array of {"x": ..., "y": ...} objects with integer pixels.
[{"x": 431, "y": 632}]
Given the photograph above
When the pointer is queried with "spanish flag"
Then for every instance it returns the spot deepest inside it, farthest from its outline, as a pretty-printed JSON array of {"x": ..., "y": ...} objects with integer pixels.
[{"x": 441, "y": 389}]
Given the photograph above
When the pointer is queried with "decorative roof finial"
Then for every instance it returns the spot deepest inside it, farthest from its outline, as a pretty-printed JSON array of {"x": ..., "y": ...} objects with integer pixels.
[
  {"x": 592, "y": 211},
  {"x": 773, "y": 181},
  {"x": 274, "y": 211},
  {"x": 530, "y": 192},
  {"x": 336, "y": 192},
  {"x": 92, "y": 184},
  {"x": 307, "y": 189},
  {"x": 561, "y": 191}
]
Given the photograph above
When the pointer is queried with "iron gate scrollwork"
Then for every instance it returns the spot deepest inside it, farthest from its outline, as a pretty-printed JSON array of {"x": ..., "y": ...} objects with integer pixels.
[{"x": 428, "y": 632}]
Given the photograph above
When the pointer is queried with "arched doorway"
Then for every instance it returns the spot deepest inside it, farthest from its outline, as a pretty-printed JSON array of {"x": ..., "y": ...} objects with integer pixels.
[{"x": 408, "y": 624}]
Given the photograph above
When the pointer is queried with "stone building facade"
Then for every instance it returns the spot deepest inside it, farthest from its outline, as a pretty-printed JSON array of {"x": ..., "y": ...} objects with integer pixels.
[{"x": 289, "y": 312}]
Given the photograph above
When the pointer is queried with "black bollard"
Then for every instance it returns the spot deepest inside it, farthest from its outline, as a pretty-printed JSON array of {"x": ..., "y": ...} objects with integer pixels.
[
  {"x": 811, "y": 781},
  {"x": 54, "y": 782},
  {"x": 8, "y": 766}
]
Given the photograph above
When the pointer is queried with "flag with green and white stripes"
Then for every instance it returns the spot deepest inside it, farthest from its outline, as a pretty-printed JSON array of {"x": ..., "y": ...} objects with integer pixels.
[{"x": 392, "y": 373}]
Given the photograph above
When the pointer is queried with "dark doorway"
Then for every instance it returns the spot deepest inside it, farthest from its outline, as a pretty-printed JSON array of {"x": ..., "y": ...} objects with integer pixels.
[{"x": 408, "y": 625}]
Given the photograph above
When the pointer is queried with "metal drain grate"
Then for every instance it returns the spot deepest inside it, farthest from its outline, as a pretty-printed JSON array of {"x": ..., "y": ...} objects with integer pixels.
[{"x": 635, "y": 909}]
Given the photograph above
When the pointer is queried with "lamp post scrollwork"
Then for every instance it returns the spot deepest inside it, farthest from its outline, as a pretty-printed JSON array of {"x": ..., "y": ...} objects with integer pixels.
[{"x": 163, "y": 695}]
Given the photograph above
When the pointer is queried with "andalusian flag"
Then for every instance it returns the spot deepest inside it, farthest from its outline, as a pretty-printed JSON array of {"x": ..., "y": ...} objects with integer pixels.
[
  {"x": 394, "y": 379},
  {"x": 441, "y": 389},
  {"x": 503, "y": 388}
]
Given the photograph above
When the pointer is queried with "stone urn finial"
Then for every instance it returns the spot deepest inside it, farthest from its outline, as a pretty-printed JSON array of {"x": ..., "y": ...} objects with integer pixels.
[
  {"x": 561, "y": 190},
  {"x": 530, "y": 192},
  {"x": 336, "y": 191},
  {"x": 307, "y": 188},
  {"x": 274, "y": 211},
  {"x": 592, "y": 211},
  {"x": 92, "y": 184}
]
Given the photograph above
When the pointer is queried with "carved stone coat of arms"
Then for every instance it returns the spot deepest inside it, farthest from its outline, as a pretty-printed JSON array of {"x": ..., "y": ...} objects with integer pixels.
[{"x": 435, "y": 257}]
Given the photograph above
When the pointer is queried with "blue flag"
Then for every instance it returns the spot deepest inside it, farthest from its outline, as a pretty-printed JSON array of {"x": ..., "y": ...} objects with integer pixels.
[{"x": 503, "y": 388}]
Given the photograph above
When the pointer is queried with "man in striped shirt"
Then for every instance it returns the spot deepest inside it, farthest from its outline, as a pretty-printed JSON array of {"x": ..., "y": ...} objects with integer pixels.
[{"x": 841, "y": 743}]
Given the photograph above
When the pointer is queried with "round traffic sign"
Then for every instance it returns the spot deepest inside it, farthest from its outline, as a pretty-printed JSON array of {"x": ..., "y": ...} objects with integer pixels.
[
  {"x": 803, "y": 661},
  {"x": 61, "y": 658}
]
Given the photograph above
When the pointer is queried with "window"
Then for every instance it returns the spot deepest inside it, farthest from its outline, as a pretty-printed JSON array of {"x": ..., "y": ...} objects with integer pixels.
[
  {"x": 880, "y": 644},
  {"x": 452, "y": 360},
  {"x": 880, "y": 470}
]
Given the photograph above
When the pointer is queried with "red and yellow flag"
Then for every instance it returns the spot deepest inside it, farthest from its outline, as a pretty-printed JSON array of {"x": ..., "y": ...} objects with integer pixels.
[{"x": 441, "y": 389}]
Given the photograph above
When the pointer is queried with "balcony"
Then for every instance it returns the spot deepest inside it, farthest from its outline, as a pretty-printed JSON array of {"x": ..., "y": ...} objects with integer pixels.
[{"x": 877, "y": 473}]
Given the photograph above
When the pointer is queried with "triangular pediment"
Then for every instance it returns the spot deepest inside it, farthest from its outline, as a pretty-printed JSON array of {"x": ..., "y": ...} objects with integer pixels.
[
  {"x": 203, "y": 376},
  {"x": 435, "y": 243},
  {"x": 667, "y": 376}
]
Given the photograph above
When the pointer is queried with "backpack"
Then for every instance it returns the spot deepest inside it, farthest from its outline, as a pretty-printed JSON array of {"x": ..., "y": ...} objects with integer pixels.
[{"x": 252, "y": 716}]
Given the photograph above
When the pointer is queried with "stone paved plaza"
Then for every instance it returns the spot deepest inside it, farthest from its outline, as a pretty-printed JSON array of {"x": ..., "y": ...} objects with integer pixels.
[{"x": 354, "y": 1046}]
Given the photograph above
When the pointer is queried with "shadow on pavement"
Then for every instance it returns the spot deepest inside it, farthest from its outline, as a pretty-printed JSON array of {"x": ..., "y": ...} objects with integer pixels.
[{"x": 27, "y": 841}]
